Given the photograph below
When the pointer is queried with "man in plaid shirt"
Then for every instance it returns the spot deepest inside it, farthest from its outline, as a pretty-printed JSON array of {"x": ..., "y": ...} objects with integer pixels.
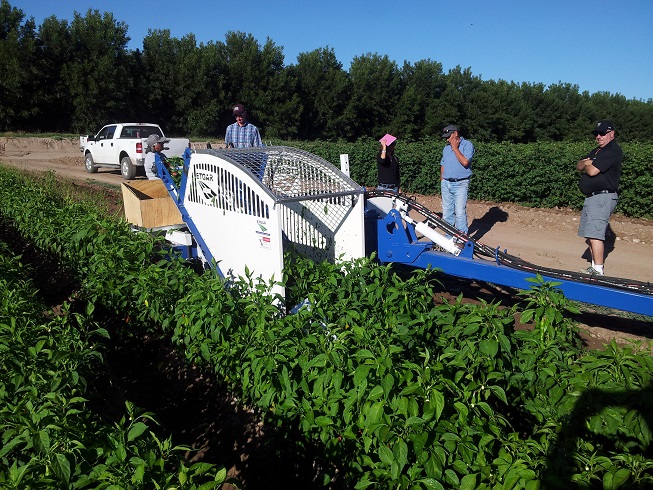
[{"x": 242, "y": 133}]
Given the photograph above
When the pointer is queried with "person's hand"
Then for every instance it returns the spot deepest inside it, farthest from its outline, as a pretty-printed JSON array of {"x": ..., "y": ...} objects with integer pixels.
[{"x": 454, "y": 141}]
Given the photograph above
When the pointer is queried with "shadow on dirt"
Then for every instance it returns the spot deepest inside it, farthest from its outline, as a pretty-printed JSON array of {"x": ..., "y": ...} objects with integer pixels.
[{"x": 480, "y": 226}]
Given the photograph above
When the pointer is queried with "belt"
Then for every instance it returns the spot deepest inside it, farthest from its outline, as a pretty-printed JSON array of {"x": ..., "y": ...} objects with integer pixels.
[
  {"x": 604, "y": 191},
  {"x": 456, "y": 180},
  {"x": 388, "y": 186}
]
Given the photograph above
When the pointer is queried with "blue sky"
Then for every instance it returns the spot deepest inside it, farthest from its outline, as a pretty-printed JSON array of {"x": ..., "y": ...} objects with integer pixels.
[{"x": 601, "y": 46}]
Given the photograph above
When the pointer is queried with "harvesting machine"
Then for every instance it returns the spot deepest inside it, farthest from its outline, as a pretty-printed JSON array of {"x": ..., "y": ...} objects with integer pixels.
[{"x": 243, "y": 208}]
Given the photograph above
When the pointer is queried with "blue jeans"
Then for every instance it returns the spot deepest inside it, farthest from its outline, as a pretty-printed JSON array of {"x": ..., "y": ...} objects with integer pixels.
[{"x": 454, "y": 203}]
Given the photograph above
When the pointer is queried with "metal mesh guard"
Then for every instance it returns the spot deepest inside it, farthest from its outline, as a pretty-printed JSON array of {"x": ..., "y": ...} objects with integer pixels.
[{"x": 290, "y": 173}]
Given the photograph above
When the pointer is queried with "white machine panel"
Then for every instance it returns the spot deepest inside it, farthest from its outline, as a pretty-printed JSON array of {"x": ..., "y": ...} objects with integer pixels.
[{"x": 249, "y": 204}]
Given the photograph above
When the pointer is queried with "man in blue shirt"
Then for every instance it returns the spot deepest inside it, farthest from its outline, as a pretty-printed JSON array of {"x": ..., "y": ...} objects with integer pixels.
[
  {"x": 242, "y": 133},
  {"x": 455, "y": 172}
]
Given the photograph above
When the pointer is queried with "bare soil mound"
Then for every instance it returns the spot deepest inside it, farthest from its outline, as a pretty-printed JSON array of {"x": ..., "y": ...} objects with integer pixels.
[{"x": 23, "y": 146}]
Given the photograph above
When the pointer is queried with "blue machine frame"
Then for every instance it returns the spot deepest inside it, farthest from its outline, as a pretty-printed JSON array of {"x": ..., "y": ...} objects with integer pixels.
[
  {"x": 178, "y": 197},
  {"x": 397, "y": 242}
]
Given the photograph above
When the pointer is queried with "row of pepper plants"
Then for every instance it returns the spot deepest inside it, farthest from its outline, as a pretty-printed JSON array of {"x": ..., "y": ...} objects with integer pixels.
[
  {"x": 50, "y": 438},
  {"x": 401, "y": 391}
]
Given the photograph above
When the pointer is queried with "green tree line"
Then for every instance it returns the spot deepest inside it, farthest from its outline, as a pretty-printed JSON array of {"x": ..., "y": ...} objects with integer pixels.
[{"x": 76, "y": 76}]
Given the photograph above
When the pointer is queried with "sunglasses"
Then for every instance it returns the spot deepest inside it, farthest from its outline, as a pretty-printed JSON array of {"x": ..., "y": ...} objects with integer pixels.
[{"x": 602, "y": 133}]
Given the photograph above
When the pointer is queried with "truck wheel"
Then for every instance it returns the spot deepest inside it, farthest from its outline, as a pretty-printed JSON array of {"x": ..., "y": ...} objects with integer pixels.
[
  {"x": 127, "y": 169},
  {"x": 88, "y": 163}
]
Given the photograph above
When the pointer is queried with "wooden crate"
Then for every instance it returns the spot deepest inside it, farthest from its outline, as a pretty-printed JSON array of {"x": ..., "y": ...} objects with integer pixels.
[{"x": 148, "y": 204}]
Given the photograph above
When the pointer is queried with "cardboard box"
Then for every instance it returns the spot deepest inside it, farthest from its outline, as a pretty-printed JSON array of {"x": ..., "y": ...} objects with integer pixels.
[{"x": 149, "y": 205}]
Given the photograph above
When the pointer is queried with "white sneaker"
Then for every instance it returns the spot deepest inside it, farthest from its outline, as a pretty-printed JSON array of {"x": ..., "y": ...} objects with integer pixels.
[{"x": 592, "y": 271}]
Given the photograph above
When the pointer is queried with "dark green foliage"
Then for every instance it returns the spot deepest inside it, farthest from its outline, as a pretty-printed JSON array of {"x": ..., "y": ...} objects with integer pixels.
[
  {"x": 637, "y": 181},
  {"x": 96, "y": 76},
  {"x": 324, "y": 89},
  {"x": 375, "y": 92},
  {"x": 17, "y": 55},
  {"x": 50, "y": 437},
  {"x": 400, "y": 392}
]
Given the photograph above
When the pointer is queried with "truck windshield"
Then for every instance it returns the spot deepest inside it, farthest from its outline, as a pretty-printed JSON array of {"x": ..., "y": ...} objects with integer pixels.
[{"x": 139, "y": 131}]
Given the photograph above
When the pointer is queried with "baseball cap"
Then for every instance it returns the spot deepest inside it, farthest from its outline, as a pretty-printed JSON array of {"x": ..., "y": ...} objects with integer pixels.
[
  {"x": 389, "y": 139},
  {"x": 446, "y": 132},
  {"x": 239, "y": 110},
  {"x": 603, "y": 127},
  {"x": 155, "y": 138}
]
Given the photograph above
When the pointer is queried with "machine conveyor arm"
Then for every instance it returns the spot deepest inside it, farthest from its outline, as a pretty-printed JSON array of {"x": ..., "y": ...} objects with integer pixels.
[{"x": 494, "y": 266}]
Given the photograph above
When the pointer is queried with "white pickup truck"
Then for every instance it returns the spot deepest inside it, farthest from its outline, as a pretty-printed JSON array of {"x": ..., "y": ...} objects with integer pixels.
[{"x": 120, "y": 145}]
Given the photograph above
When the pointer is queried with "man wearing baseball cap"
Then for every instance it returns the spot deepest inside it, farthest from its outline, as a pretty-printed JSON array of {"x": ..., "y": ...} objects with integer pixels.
[
  {"x": 154, "y": 144},
  {"x": 599, "y": 182},
  {"x": 455, "y": 172},
  {"x": 242, "y": 133}
]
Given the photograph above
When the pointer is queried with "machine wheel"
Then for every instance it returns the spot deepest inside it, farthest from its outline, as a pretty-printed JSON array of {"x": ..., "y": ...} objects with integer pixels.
[
  {"x": 88, "y": 163},
  {"x": 127, "y": 169}
]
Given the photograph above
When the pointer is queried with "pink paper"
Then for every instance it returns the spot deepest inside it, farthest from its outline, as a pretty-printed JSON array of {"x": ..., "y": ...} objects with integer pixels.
[{"x": 389, "y": 139}]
